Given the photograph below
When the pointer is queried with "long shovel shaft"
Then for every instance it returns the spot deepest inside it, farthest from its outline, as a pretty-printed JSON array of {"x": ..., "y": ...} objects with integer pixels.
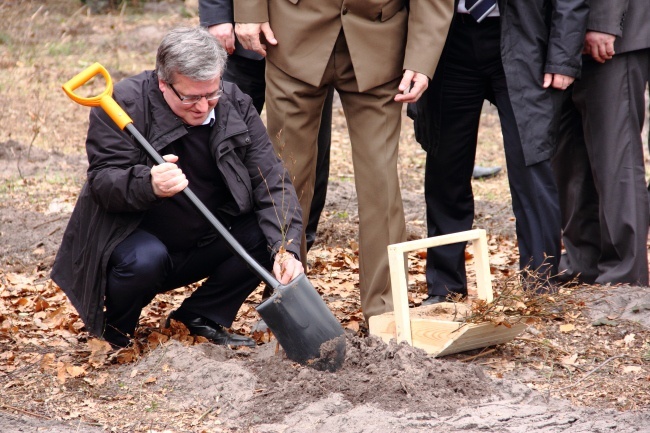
[{"x": 232, "y": 243}]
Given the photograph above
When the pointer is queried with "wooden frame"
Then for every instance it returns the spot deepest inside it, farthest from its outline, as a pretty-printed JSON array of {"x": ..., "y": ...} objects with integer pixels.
[{"x": 439, "y": 337}]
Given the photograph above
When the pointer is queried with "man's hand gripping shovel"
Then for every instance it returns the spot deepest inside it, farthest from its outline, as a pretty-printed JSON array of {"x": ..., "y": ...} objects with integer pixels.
[{"x": 296, "y": 314}]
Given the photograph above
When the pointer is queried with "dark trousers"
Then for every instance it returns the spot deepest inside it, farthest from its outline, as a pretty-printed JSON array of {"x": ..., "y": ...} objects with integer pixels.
[
  {"x": 601, "y": 174},
  {"x": 248, "y": 74},
  {"x": 472, "y": 71},
  {"x": 141, "y": 267}
]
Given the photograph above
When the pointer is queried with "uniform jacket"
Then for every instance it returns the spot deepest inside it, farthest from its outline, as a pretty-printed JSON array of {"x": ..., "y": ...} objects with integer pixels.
[
  {"x": 212, "y": 12},
  {"x": 118, "y": 190},
  {"x": 629, "y": 20},
  {"x": 537, "y": 37},
  {"x": 384, "y": 37}
]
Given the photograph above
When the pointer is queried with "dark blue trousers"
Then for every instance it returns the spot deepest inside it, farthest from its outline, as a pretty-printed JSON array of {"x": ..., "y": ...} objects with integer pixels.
[
  {"x": 140, "y": 267},
  {"x": 472, "y": 71}
]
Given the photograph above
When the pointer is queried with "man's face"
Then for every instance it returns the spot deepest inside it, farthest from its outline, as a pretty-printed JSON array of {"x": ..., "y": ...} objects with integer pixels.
[{"x": 195, "y": 113}]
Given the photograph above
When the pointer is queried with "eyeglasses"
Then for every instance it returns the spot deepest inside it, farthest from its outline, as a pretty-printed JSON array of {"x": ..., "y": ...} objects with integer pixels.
[{"x": 193, "y": 99}]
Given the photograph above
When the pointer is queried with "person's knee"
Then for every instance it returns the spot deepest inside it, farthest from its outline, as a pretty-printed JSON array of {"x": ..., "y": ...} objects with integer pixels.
[
  {"x": 140, "y": 264},
  {"x": 152, "y": 260}
]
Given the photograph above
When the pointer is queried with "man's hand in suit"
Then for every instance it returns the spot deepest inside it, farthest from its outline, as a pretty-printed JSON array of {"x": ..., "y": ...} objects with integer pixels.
[
  {"x": 557, "y": 81},
  {"x": 249, "y": 36},
  {"x": 225, "y": 34},
  {"x": 599, "y": 45},
  {"x": 412, "y": 86}
]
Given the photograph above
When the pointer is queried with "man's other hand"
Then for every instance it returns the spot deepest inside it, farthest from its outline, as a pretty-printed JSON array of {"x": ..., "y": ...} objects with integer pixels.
[
  {"x": 412, "y": 86},
  {"x": 249, "y": 36},
  {"x": 599, "y": 45},
  {"x": 557, "y": 81},
  {"x": 286, "y": 267},
  {"x": 225, "y": 34},
  {"x": 167, "y": 179}
]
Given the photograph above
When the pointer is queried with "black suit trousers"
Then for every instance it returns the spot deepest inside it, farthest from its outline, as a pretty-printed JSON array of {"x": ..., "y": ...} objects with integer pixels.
[
  {"x": 472, "y": 71},
  {"x": 141, "y": 267}
]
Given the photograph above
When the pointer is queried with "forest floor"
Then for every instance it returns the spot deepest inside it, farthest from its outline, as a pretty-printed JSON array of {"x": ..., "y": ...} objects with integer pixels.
[{"x": 586, "y": 369}]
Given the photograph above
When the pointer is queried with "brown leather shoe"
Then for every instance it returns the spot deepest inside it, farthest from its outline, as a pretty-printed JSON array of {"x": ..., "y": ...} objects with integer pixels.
[{"x": 214, "y": 332}]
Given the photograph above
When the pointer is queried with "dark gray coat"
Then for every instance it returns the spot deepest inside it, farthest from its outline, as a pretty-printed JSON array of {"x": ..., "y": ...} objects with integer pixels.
[
  {"x": 628, "y": 20},
  {"x": 537, "y": 37},
  {"x": 118, "y": 189}
]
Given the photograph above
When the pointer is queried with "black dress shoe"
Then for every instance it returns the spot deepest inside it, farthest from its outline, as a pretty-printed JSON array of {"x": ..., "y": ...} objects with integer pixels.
[
  {"x": 435, "y": 299},
  {"x": 214, "y": 332}
]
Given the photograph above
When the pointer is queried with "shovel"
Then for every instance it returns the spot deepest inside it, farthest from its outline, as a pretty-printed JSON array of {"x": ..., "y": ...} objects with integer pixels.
[{"x": 295, "y": 313}]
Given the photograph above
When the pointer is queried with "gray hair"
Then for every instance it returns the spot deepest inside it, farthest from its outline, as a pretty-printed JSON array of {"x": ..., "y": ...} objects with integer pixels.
[{"x": 192, "y": 52}]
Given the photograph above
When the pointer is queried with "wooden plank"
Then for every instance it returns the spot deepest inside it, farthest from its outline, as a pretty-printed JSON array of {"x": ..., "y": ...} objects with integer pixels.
[
  {"x": 441, "y": 337},
  {"x": 482, "y": 267},
  {"x": 477, "y": 335},
  {"x": 434, "y": 336},
  {"x": 436, "y": 241},
  {"x": 397, "y": 265}
]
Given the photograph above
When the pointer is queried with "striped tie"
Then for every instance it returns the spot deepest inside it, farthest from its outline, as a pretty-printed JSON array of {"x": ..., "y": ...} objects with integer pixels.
[{"x": 479, "y": 9}]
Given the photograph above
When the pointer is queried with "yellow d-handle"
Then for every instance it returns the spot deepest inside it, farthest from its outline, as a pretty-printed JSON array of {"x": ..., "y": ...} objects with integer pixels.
[{"x": 104, "y": 99}]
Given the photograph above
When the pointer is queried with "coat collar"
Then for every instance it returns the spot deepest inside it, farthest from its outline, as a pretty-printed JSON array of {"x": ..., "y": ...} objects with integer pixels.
[
  {"x": 166, "y": 126},
  {"x": 229, "y": 121}
]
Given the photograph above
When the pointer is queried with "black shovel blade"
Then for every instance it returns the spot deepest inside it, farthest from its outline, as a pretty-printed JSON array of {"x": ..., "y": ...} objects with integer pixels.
[{"x": 304, "y": 326}]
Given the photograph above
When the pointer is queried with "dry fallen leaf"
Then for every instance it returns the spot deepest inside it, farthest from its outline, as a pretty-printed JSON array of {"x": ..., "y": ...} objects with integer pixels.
[
  {"x": 568, "y": 327},
  {"x": 75, "y": 370},
  {"x": 569, "y": 360},
  {"x": 47, "y": 363},
  {"x": 99, "y": 350},
  {"x": 629, "y": 339}
]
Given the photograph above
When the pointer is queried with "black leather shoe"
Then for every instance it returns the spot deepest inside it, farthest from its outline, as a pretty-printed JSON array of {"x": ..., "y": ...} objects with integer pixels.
[
  {"x": 480, "y": 172},
  {"x": 435, "y": 299},
  {"x": 214, "y": 332}
]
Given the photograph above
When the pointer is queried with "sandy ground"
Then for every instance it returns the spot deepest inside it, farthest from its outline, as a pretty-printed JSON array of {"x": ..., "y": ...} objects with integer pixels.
[{"x": 380, "y": 388}]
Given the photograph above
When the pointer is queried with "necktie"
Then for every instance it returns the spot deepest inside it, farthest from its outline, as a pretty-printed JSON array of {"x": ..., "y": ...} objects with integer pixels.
[{"x": 479, "y": 9}]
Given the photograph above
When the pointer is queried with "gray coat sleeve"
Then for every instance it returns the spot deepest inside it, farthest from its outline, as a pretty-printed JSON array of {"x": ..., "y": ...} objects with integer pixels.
[
  {"x": 606, "y": 16},
  {"x": 566, "y": 37},
  {"x": 213, "y": 12}
]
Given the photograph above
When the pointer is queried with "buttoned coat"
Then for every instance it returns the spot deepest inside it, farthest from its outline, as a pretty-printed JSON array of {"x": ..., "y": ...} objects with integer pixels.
[{"x": 384, "y": 37}]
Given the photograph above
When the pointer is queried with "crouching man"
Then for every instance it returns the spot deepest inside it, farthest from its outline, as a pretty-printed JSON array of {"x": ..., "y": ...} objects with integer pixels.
[{"x": 132, "y": 235}]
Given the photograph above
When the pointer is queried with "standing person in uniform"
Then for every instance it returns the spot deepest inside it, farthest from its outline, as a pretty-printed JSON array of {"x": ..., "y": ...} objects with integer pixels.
[
  {"x": 600, "y": 164},
  {"x": 521, "y": 56},
  {"x": 246, "y": 69},
  {"x": 377, "y": 54}
]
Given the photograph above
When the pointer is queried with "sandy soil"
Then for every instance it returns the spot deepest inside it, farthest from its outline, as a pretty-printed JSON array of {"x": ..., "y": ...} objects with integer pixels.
[{"x": 380, "y": 388}]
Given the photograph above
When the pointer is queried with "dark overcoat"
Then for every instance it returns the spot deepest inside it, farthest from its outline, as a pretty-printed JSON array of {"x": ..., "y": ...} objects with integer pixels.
[
  {"x": 537, "y": 37},
  {"x": 118, "y": 189}
]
